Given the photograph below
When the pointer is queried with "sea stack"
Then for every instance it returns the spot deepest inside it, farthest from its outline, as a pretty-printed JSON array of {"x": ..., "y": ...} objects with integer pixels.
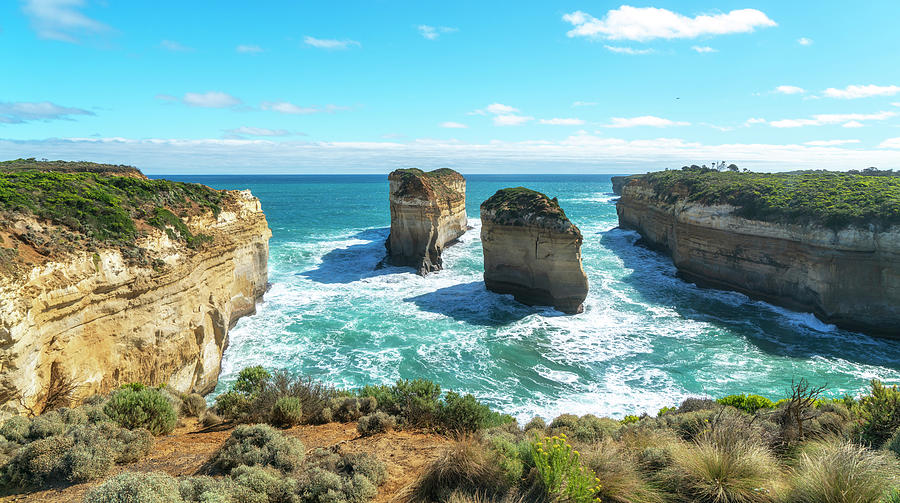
[
  {"x": 532, "y": 250},
  {"x": 428, "y": 213}
]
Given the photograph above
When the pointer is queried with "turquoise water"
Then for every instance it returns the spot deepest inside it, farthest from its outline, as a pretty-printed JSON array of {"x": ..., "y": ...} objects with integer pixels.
[{"x": 645, "y": 340}]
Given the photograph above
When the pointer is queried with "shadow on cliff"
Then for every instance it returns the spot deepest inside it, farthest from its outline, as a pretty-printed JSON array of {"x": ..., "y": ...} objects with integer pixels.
[
  {"x": 473, "y": 303},
  {"x": 771, "y": 329},
  {"x": 355, "y": 262}
]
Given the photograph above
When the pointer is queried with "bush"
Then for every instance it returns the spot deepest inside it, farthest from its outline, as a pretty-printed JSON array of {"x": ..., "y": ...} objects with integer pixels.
[
  {"x": 841, "y": 471},
  {"x": 203, "y": 489},
  {"x": 879, "y": 413},
  {"x": 193, "y": 405},
  {"x": 537, "y": 423},
  {"x": 561, "y": 472},
  {"x": 16, "y": 429},
  {"x": 587, "y": 428},
  {"x": 377, "y": 422},
  {"x": 345, "y": 409},
  {"x": 617, "y": 468},
  {"x": 141, "y": 408},
  {"x": 366, "y": 465},
  {"x": 210, "y": 419},
  {"x": 287, "y": 411},
  {"x": 126, "y": 446},
  {"x": 417, "y": 401},
  {"x": 233, "y": 405},
  {"x": 259, "y": 445},
  {"x": 46, "y": 425},
  {"x": 87, "y": 462},
  {"x": 697, "y": 404},
  {"x": 747, "y": 403},
  {"x": 723, "y": 470},
  {"x": 37, "y": 463},
  {"x": 464, "y": 414},
  {"x": 629, "y": 419},
  {"x": 131, "y": 487},
  {"x": 893, "y": 443},
  {"x": 256, "y": 483},
  {"x": 466, "y": 466},
  {"x": 251, "y": 380}
]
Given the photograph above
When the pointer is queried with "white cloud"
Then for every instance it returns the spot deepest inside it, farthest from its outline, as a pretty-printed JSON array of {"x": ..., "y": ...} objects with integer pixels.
[
  {"x": 210, "y": 99},
  {"x": 849, "y": 120},
  {"x": 830, "y": 143},
  {"x": 754, "y": 120},
  {"x": 174, "y": 46},
  {"x": 627, "y": 50},
  {"x": 581, "y": 152},
  {"x": 248, "y": 49},
  {"x": 434, "y": 32},
  {"x": 594, "y": 103},
  {"x": 703, "y": 49},
  {"x": 27, "y": 111},
  {"x": 804, "y": 41},
  {"x": 499, "y": 108},
  {"x": 286, "y": 107},
  {"x": 853, "y": 124},
  {"x": 890, "y": 143},
  {"x": 453, "y": 125},
  {"x": 855, "y": 92},
  {"x": 328, "y": 43},
  {"x": 60, "y": 19},
  {"x": 647, "y": 23},
  {"x": 511, "y": 120},
  {"x": 644, "y": 121},
  {"x": 789, "y": 90},
  {"x": 257, "y": 131},
  {"x": 562, "y": 122},
  {"x": 896, "y": 104}
]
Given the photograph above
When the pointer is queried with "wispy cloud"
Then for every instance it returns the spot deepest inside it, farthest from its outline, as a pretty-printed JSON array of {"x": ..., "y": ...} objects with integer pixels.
[
  {"x": 703, "y": 49},
  {"x": 434, "y": 32},
  {"x": 329, "y": 43},
  {"x": 27, "y": 111},
  {"x": 830, "y": 143},
  {"x": 890, "y": 143},
  {"x": 258, "y": 131},
  {"x": 504, "y": 115},
  {"x": 861, "y": 91},
  {"x": 209, "y": 99},
  {"x": 805, "y": 41},
  {"x": 627, "y": 50},
  {"x": 789, "y": 90},
  {"x": 847, "y": 120},
  {"x": 286, "y": 107},
  {"x": 171, "y": 45},
  {"x": 648, "y": 23},
  {"x": 61, "y": 19},
  {"x": 562, "y": 122},
  {"x": 453, "y": 125},
  {"x": 644, "y": 121},
  {"x": 577, "y": 104},
  {"x": 248, "y": 49}
]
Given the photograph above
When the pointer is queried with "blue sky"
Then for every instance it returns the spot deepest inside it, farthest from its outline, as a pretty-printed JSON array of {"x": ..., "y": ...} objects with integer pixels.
[{"x": 531, "y": 86}]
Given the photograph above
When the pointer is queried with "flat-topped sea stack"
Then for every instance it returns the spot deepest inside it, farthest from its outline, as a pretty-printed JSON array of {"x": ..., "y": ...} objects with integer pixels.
[
  {"x": 820, "y": 242},
  {"x": 428, "y": 213},
  {"x": 108, "y": 278},
  {"x": 532, "y": 250}
]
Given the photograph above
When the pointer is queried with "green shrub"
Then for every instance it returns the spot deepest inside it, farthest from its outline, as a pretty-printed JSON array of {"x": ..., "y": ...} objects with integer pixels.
[
  {"x": 565, "y": 421},
  {"x": 893, "y": 496},
  {"x": 142, "y": 408},
  {"x": 47, "y": 425},
  {"x": 131, "y": 487},
  {"x": 345, "y": 409},
  {"x": 841, "y": 471},
  {"x": 666, "y": 410},
  {"x": 747, "y": 403},
  {"x": 509, "y": 457},
  {"x": 536, "y": 423},
  {"x": 257, "y": 483},
  {"x": 418, "y": 401},
  {"x": 384, "y": 398},
  {"x": 210, "y": 419},
  {"x": 287, "y": 411},
  {"x": 377, "y": 422},
  {"x": 590, "y": 428},
  {"x": 464, "y": 414},
  {"x": 126, "y": 446},
  {"x": 232, "y": 404},
  {"x": 697, "y": 404},
  {"x": 893, "y": 443},
  {"x": 16, "y": 429},
  {"x": 87, "y": 462},
  {"x": 364, "y": 464},
  {"x": 38, "y": 462},
  {"x": 879, "y": 413},
  {"x": 251, "y": 380},
  {"x": 193, "y": 405},
  {"x": 629, "y": 419},
  {"x": 259, "y": 445},
  {"x": 561, "y": 472},
  {"x": 204, "y": 489}
]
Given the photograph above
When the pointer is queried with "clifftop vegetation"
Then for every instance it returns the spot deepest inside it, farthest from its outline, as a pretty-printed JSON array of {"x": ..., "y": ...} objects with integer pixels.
[
  {"x": 827, "y": 198},
  {"x": 522, "y": 206},
  {"x": 32, "y": 164},
  {"x": 414, "y": 181}
]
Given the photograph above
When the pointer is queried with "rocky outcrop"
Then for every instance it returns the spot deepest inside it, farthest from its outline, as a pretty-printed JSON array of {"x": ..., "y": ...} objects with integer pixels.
[
  {"x": 848, "y": 276},
  {"x": 428, "y": 213},
  {"x": 532, "y": 250},
  {"x": 99, "y": 320}
]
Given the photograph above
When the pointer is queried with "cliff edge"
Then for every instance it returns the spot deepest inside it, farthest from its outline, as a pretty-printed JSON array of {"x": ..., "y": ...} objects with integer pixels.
[
  {"x": 428, "y": 212},
  {"x": 108, "y": 280},
  {"x": 532, "y": 250},
  {"x": 827, "y": 243}
]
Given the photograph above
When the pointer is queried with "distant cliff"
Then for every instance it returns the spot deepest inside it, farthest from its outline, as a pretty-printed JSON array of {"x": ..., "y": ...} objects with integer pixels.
[
  {"x": 428, "y": 212},
  {"x": 827, "y": 243},
  {"x": 112, "y": 279},
  {"x": 532, "y": 250},
  {"x": 619, "y": 181}
]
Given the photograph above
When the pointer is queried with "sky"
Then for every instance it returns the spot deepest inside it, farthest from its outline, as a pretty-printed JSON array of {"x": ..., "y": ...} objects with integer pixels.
[{"x": 583, "y": 86}]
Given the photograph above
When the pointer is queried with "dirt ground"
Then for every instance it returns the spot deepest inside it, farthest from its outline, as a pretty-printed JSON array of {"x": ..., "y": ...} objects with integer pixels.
[{"x": 404, "y": 453}]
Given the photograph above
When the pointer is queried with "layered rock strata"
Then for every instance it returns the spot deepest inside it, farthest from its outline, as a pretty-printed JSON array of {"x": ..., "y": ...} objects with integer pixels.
[
  {"x": 532, "y": 250},
  {"x": 94, "y": 319},
  {"x": 848, "y": 276},
  {"x": 428, "y": 213}
]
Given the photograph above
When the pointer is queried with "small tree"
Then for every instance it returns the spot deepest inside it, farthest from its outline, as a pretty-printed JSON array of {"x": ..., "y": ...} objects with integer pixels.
[{"x": 801, "y": 405}]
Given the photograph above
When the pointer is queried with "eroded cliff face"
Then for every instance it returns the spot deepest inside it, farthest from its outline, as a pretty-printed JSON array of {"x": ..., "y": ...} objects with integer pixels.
[
  {"x": 93, "y": 318},
  {"x": 849, "y": 277},
  {"x": 532, "y": 251},
  {"x": 428, "y": 212}
]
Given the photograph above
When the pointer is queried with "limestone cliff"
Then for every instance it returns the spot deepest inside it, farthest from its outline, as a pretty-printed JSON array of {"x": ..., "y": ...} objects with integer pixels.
[
  {"x": 428, "y": 212},
  {"x": 99, "y": 317},
  {"x": 849, "y": 276},
  {"x": 532, "y": 250}
]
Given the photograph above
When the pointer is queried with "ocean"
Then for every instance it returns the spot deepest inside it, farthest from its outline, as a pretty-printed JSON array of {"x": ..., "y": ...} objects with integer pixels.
[{"x": 646, "y": 339}]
